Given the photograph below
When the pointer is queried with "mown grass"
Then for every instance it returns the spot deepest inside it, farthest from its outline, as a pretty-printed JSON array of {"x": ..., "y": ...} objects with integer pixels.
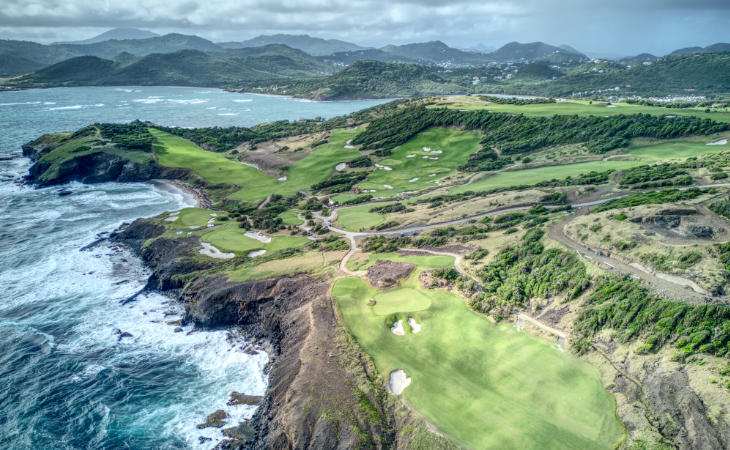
[
  {"x": 313, "y": 263},
  {"x": 486, "y": 386},
  {"x": 455, "y": 145},
  {"x": 583, "y": 108},
  {"x": 230, "y": 238},
  {"x": 359, "y": 218},
  {"x": 174, "y": 151}
]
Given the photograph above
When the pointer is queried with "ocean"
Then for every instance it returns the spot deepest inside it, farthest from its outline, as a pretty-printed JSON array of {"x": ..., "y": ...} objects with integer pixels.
[{"x": 77, "y": 368}]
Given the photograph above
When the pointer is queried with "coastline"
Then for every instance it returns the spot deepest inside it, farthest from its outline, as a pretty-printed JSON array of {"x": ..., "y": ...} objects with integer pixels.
[{"x": 200, "y": 197}]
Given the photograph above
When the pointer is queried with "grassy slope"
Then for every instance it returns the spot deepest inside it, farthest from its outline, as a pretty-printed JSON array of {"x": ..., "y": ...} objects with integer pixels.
[
  {"x": 456, "y": 147},
  {"x": 485, "y": 385},
  {"x": 175, "y": 151}
]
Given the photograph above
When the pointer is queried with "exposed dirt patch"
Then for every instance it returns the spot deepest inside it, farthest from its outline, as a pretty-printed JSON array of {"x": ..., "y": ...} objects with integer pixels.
[
  {"x": 385, "y": 273},
  {"x": 681, "y": 224},
  {"x": 271, "y": 156}
]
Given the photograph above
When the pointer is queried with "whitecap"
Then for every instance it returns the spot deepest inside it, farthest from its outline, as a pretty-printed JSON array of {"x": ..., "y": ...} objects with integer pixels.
[{"x": 243, "y": 100}]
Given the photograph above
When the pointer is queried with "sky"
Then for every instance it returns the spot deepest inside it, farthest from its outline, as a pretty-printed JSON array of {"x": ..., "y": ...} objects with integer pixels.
[{"x": 605, "y": 27}]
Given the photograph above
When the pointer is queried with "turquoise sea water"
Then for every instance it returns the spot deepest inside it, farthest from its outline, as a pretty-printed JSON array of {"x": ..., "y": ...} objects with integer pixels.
[{"x": 67, "y": 379}]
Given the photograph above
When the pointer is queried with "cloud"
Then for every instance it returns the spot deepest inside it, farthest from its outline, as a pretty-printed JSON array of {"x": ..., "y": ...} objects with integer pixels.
[{"x": 623, "y": 26}]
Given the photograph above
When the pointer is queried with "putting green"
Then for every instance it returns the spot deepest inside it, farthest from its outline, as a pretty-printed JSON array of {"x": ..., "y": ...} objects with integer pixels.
[
  {"x": 412, "y": 166},
  {"x": 359, "y": 218},
  {"x": 400, "y": 300},
  {"x": 486, "y": 386},
  {"x": 230, "y": 238}
]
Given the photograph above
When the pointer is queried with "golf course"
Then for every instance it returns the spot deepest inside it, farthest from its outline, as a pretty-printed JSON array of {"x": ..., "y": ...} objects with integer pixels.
[{"x": 487, "y": 386}]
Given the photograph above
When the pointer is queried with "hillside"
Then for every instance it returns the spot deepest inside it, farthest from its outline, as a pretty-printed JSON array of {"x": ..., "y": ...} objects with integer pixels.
[
  {"x": 698, "y": 73},
  {"x": 714, "y": 48},
  {"x": 436, "y": 52},
  {"x": 366, "y": 79},
  {"x": 182, "y": 68},
  {"x": 20, "y": 57},
  {"x": 308, "y": 44},
  {"x": 371, "y": 54},
  {"x": 536, "y": 51}
]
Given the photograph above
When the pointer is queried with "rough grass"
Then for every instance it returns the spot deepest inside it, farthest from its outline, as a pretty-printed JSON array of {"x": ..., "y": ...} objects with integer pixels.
[
  {"x": 230, "y": 238},
  {"x": 313, "y": 263},
  {"x": 487, "y": 386},
  {"x": 430, "y": 261},
  {"x": 456, "y": 146}
]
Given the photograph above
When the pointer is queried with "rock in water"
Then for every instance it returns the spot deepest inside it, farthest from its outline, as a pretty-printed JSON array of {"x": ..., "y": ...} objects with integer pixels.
[
  {"x": 216, "y": 420},
  {"x": 238, "y": 398}
]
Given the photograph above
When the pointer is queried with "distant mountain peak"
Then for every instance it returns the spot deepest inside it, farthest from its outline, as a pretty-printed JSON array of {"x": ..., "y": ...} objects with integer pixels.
[{"x": 119, "y": 34}]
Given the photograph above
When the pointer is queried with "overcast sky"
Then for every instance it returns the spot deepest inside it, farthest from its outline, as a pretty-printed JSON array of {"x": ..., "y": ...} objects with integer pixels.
[{"x": 605, "y": 26}]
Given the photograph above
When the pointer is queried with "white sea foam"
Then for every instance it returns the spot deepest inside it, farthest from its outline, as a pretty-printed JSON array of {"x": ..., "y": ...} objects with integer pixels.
[
  {"x": 243, "y": 100},
  {"x": 227, "y": 114}
]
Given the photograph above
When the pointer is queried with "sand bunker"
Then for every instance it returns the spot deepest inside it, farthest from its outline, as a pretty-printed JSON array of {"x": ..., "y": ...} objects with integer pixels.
[
  {"x": 173, "y": 217},
  {"x": 340, "y": 167},
  {"x": 411, "y": 156},
  {"x": 437, "y": 152},
  {"x": 209, "y": 250},
  {"x": 349, "y": 146},
  {"x": 259, "y": 236},
  {"x": 610, "y": 106},
  {"x": 398, "y": 381},
  {"x": 255, "y": 253},
  {"x": 426, "y": 149},
  {"x": 720, "y": 142},
  {"x": 382, "y": 167},
  {"x": 349, "y": 141},
  {"x": 415, "y": 326},
  {"x": 281, "y": 178},
  {"x": 412, "y": 180},
  {"x": 398, "y": 329},
  {"x": 387, "y": 186}
]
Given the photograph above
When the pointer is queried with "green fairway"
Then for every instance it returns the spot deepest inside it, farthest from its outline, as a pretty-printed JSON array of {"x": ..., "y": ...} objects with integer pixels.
[
  {"x": 449, "y": 149},
  {"x": 583, "y": 108},
  {"x": 675, "y": 149},
  {"x": 173, "y": 151},
  {"x": 359, "y": 218},
  {"x": 307, "y": 171},
  {"x": 194, "y": 217},
  {"x": 531, "y": 176},
  {"x": 486, "y": 386},
  {"x": 230, "y": 238}
]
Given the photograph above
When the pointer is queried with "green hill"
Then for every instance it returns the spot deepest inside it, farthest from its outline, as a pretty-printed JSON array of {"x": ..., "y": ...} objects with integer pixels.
[
  {"x": 536, "y": 51},
  {"x": 141, "y": 47},
  {"x": 182, "y": 68},
  {"x": 367, "y": 79},
  {"x": 436, "y": 52}
]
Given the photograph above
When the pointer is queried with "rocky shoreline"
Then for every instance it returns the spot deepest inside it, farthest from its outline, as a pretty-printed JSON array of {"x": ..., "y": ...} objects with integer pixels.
[{"x": 323, "y": 392}]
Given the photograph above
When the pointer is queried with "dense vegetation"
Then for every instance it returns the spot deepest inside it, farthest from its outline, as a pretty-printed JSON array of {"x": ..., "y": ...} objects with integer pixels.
[
  {"x": 527, "y": 270},
  {"x": 512, "y": 134},
  {"x": 134, "y": 136},
  {"x": 515, "y": 100},
  {"x": 651, "y": 198},
  {"x": 656, "y": 175},
  {"x": 625, "y": 307}
]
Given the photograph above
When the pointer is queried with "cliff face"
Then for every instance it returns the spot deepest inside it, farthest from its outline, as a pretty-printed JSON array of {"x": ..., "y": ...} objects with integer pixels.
[{"x": 323, "y": 392}]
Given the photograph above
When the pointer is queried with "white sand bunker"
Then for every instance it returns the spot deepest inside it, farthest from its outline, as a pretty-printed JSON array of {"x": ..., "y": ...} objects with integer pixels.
[
  {"x": 349, "y": 141},
  {"x": 209, "y": 250},
  {"x": 398, "y": 381},
  {"x": 412, "y": 180},
  {"x": 720, "y": 142},
  {"x": 415, "y": 326},
  {"x": 281, "y": 178},
  {"x": 433, "y": 158},
  {"x": 259, "y": 236},
  {"x": 431, "y": 174},
  {"x": 255, "y": 253},
  {"x": 411, "y": 156},
  {"x": 387, "y": 186},
  {"x": 437, "y": 152},
  {"x": 349, "y": 146},
  {"x": 173, "y": 217},
  {"x": 398, "y": 329},
  {"x": 340, "y": 167},
  {"x": 610, "y": 106},
  {"x": 382, "y": 167},
  {"x": 426, "y": 149}
]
